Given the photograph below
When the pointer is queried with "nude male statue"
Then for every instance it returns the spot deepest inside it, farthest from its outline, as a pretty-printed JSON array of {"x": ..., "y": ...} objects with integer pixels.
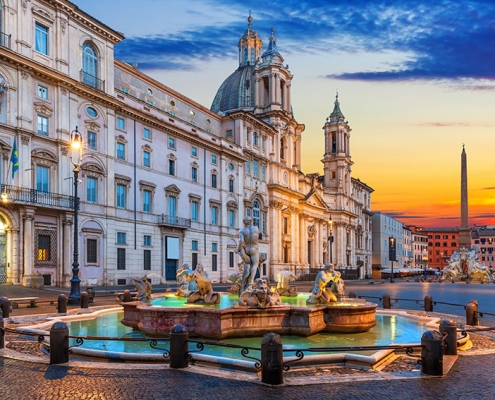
[{"x": 248, "y": 250}]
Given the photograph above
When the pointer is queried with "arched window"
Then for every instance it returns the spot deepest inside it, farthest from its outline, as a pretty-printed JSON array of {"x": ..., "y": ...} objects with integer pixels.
[
  {"x": 282, "y": 148},
  {"x": 246, "y": 56},
  {"x": 252, "y": 56},
  {"x": 89, "y": 65},
  {"x": 256, "y": 213}
]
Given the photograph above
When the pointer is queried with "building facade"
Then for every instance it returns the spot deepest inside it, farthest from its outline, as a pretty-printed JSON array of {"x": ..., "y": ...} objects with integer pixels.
[
  {"x": 163, "y": 179},
  {"x": 442, "y": 242},
  {"x": 383, "y": 229}
]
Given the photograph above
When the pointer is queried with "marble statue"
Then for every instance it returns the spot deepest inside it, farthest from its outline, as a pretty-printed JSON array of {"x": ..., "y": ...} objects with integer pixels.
[
  {"x": 248, "y": 251},
  {"x": 143, "y": 287},
  {"x": 185, "y": 286},
  {"x": 205, "y": 293},
  {"x": 261, "y": 296},
  {"x": 465, "y": 265},
  {"x": 283, "y": 282},
  {"x": 320, "y": 293}
]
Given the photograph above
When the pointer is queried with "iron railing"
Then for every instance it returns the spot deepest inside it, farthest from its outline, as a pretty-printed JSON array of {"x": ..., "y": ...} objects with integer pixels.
[
  {"x": 170, "y": 220},
  {"x": 92, "y": 81},
  {"x": 17, "y": 194}
]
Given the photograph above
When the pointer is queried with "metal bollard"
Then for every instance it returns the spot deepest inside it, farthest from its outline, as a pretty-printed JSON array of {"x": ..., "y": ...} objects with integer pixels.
[
  {"x": 179, "y": 347},
  {"x": 2, "y": 333},
  {"x": 59, "y": 343},
  {"x": 472, "y": 313},
  {"x": 432, "y": 353},
  {"x": 5, "y": 307},
  {"x": 127, "y": 296},
  {"x": 386, "y": 301},
  {"x": 272, "y": 359},
  {"x": 352, "y": 295},
  {"x": 428, "y": 304},
  {"x": 450, "y": 328},
  {"x": 84, "y": 300},
  {"x": 62, "y": 304}
]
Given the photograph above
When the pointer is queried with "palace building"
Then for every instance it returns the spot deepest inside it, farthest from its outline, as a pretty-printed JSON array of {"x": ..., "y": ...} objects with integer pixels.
[{"x": 163, "y": 180}]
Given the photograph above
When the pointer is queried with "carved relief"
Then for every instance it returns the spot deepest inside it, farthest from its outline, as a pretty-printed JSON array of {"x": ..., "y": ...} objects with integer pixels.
[
  {"x": 92, "y": 170},
  {"x": 43, "y": 13},
  {"x": 64, "y": 91},
  {"x": 25, "y": 74},
  {"x": 122, "y": 179},
  {"x": 44, "y": 157},
  {"x": 24, "y": 4},
  {"x": 172, "y": 189},
  {"x": 92, "y": 126},
  {"x": 44, "y": 109},
  {"x": 144, "y": 185},
  {"x": 65, "y": 150},
  {"x": 121, "y": 139},
  {"x": 63, "y": 25},
  {"x": 25, "y": 140},
  {"x": 311, "y": 231},
  {"x": 276, "y": 204}
]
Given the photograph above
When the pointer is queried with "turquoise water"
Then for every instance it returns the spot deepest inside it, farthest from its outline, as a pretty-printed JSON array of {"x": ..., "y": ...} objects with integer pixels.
[{"x": 389, "y": 330}]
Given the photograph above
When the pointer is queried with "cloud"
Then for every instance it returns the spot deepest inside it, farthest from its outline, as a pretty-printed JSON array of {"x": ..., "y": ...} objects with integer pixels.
[
  {"x": 450, "y": 124},
  {"x": 489, "y": 188}
]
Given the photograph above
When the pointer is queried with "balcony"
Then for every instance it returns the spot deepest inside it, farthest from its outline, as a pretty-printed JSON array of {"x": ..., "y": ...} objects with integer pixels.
[
  {"x": 175, "y": 222},
  {"x": 92, "y": 81},
  {"x": 5, "y": 40},
  {"x": 17, "y": 194}
]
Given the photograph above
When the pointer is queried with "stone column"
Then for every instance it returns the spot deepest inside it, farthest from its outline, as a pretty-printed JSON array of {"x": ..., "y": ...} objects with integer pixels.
[
  {"x": 66, "y": 273},
  {"x": 464, "y": 231},
  {"x": 29, "y": 238}
]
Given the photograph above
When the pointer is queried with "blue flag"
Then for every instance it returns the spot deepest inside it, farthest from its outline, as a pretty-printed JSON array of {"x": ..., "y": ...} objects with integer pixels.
[{"x": 14, "y": 158}]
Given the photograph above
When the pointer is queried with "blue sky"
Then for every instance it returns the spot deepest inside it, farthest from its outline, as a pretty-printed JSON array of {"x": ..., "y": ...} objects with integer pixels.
[{"x": 416, "y": 80}]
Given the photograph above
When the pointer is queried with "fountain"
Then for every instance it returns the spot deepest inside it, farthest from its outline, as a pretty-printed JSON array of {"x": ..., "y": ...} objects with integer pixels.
[{"x": 464, "y": 265}]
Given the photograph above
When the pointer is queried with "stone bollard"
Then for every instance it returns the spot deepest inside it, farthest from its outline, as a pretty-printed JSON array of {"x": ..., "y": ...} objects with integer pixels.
[
  {"x": 5, "y": 307},
  {"x": 84, "y": 300},
  {"x": 352, "y": 295},
  {"x": 179, "y": 347},
  {"x": 432, "y": 353},
  {"x": 59, "y": 343},
  {"x": 127, "y": 296},
  {"x": 386, "y": 301},
  {"x": 450, "y": 328},
  {"x": 91, "y": 293},
  {"x": 472, "y": 313},
  {"x": 2, "y": 333},
  {"x": 428, "y": 304},
  {"x": 62, "y": 304},
  {"x": 272, "y": 359}
]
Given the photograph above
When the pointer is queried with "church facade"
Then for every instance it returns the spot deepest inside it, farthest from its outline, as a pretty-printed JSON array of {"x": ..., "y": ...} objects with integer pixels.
[{"x": 163, "y": 179}]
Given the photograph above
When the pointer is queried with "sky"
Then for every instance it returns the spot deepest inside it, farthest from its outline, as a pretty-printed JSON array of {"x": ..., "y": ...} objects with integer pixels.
[{"x": 415, "y": 79}]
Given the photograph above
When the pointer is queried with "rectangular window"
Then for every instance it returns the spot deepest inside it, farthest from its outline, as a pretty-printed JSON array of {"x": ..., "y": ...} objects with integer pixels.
[
  {"x": 255, "y": 168},
  {"x": 248, "y": 135},
  {"x": 41, "y": 39},
  {"x": 172, "y": 206},
  {"x": 91, "y": 253},
  {"x": 147, "y": 260},
  {"x": 229, "y": 133},
  {"x": 121, "y": 259},
  {"x": 146, "y": 201},
  {"x": 231, "y": 185},
  {"x": 194, "y": 151},
  {"x": 286, "y": 229},
  {"x": 42, "y": 92},
  {"x": 91, "y": 190},
  {"x": 171, "y": 143},
  {"x": 194, "y": 211},
  {"x": 121, "y": 123},
  {"x": 214, "y": 180},
  {"x": 214, "y": 247},
  {"x": 194, "y": 260},
  {"x": 231, "y": 259},
  {"x": 121, "y": 238},
  {"x": 44, "y": 247},
  {"x": 194, "y": 174},
  {"x": 214, "y": 159},
  {"x": 146, "y": 159},
  {"x": 255, "y": 139},
  {"x": 171, "y": 167},
  {"x": 214, "y": 262},
  {"x": 42, "y": 126},
  {"x": 42, "y": 178},
  {"x": 121, "y": 196},
  {"x": 147, "y": 133},
  {"x": 121, "y": 151},
  {"x": 147, "y": 240},
  {"x": 231, "y": 219},
  {"x": 248, "y": 167},
  {"x": 194, "y": 245},
  {"x": 92, "y": 140},
  {"x": 263, "y": 172},
  {"x": 214, "y": 215}
]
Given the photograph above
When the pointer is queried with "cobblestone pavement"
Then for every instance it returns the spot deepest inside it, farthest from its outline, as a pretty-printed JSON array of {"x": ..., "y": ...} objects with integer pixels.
[{"x": 470, "y": 378}]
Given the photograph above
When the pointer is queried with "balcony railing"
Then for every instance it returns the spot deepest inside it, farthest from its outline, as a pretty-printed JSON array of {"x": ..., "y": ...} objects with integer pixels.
[
  {"x": 174, "y": 221},
  {"x": 5, "y": 40},
  {"x": 92, "y": 81},
  {"x": 15, "y": 194}
]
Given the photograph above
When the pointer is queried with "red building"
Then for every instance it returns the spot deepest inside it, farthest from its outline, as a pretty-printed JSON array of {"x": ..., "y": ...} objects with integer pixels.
[{"x": 442, "y": 242}]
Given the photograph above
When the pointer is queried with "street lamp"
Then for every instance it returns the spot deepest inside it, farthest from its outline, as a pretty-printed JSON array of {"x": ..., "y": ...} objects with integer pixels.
[
  {"x": 425, "y": 261},
  {"x": 330, "y": 237},
  {"x": 75, "y": 159}
]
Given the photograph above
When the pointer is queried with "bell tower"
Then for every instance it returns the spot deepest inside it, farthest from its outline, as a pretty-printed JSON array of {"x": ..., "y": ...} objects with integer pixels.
[{"x": 249, "y": 45}]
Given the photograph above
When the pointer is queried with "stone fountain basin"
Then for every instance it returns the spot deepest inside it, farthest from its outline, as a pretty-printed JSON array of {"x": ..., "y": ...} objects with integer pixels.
[{"x": 348, "y": 317}]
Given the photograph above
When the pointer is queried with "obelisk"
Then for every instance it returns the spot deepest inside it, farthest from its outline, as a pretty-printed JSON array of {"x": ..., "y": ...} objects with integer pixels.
[{"x": 464, "y": 231}]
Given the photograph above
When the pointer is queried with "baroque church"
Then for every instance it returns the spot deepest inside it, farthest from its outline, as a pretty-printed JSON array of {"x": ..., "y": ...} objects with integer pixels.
[{"x": 163, "y": 179}]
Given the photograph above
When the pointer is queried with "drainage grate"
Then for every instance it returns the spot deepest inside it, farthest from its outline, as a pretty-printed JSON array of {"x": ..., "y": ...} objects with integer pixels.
[
  {"x": 121, "y": 282},
  {"x": 47, "y": 279}
]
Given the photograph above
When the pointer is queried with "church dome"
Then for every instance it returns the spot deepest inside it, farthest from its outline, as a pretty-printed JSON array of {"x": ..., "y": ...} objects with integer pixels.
[{"x": 237, "y": 91}]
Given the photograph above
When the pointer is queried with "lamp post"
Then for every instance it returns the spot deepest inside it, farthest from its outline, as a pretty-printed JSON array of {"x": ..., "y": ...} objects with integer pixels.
[
  {"x": 425, "y": 262},
  {"x": 392, "y": 255},
  {"x": 330, "y": 237},
  {"x": 75, "y": 159}
]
